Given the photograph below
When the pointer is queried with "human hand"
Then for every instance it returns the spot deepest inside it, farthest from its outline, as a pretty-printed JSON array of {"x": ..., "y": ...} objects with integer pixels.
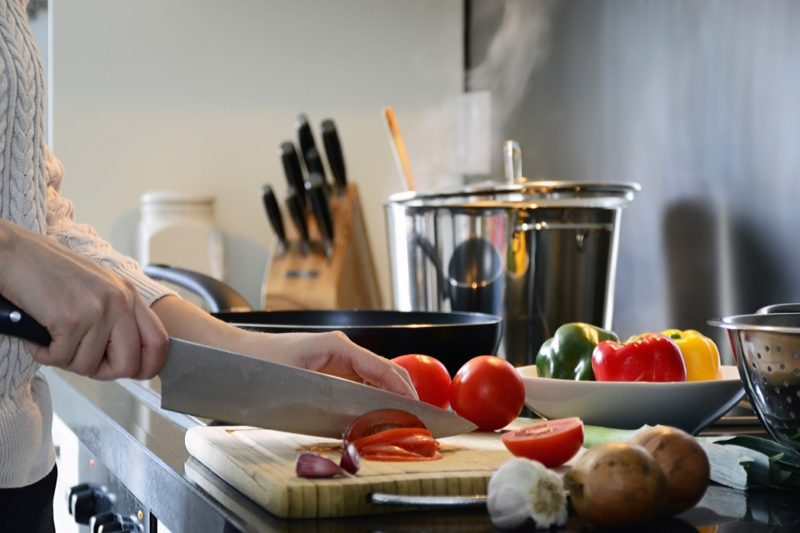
[
  {"x": 99, "y": 325},
  {"x": 335, "y": 354}
]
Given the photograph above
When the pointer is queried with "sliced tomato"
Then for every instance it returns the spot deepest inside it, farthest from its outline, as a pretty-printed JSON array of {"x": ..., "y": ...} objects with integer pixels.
[
  {"x": 381, "y": 420},
  {"x": 390, "y": 435},
  {"x": 552, "y": 443},
  {"x": 393, "y": 452}
]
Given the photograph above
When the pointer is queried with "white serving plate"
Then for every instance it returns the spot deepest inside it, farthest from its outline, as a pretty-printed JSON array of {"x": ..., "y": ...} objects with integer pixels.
[{"x": 689, "y": 405}]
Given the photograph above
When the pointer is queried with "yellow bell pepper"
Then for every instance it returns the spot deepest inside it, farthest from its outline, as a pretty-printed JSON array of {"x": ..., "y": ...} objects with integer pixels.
[{"x": 700, "y": 354}]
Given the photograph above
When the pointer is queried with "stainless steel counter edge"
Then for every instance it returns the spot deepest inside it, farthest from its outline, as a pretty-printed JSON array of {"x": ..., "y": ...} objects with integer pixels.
[{"x": 143, "y": 447}]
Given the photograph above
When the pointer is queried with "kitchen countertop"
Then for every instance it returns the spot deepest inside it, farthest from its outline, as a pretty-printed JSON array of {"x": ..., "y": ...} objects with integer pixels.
[{"x": 122, "y": 424}]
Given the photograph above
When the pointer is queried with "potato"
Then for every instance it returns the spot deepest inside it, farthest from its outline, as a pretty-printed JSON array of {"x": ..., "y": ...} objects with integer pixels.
[
  {"x": 616, "y": 484},
  {"x": 683, "y": 462}
]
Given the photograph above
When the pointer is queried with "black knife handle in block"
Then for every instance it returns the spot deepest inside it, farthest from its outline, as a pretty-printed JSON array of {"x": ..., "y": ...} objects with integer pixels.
[
  {"x": 333, "y": 149},
  {"x": 294, "y": 203},
  {"x": 292, "y": 169},
  {"x": 274, "y": 213},
  {"x": 322, "y": 209},
  {"x": 15, "y": 322},
  {"x": 308, "y": 147}
]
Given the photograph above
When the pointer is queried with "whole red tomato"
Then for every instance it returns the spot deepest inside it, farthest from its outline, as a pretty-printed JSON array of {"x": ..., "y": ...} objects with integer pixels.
[
  {"x": 429, "y": 376},
  {"x": 487, "y": 391}
]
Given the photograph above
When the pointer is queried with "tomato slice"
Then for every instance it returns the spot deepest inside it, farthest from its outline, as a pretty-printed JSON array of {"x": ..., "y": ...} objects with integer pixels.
[
  {"x": 552, "y": 443},
  {"x": 392, "y": 435},
  {"x": 391, "y": 452},
  {"x": 381, "y": 420}
]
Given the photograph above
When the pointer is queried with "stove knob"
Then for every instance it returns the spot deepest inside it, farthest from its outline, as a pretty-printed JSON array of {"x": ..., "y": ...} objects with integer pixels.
[
  {"x": 102, "y": 519},
  {"x": 86, "y": 500},
  {"x": 122, "y": 525}
]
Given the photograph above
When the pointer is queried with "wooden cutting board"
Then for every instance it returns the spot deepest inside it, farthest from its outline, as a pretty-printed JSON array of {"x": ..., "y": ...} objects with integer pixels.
[{"x": 260, "y": 463}]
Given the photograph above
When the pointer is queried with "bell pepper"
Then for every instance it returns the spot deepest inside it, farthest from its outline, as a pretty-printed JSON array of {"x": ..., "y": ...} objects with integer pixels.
[
  {"x": 568, "y": 354},
  {"x": 646, "y": 357},
  {"x": 700, "y": 354}
]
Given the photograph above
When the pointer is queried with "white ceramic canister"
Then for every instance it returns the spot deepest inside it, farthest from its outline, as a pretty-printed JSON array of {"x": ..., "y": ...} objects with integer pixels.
[{"x": 177, "y": 229}]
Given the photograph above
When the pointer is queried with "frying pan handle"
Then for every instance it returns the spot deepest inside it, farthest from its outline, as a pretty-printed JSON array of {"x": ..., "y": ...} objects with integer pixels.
[
  {"x": 15, "y": 322},
  {"x": 217, "y": 295},
  {"x": 779, "y": 308}
]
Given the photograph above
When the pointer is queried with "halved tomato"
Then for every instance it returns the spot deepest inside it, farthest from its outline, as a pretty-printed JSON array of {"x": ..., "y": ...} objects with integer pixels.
[{"x": 552, "y": 443}]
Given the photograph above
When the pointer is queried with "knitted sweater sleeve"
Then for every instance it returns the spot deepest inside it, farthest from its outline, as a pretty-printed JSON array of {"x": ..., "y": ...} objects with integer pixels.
[{"x": 83, "y": 238}]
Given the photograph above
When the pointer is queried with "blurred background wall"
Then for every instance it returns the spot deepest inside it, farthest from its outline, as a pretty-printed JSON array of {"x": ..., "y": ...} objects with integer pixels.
[{"x": 698, "y": 101}]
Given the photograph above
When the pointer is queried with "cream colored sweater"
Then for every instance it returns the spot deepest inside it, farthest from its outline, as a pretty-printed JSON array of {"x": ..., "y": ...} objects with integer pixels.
[{"x": 30, "y": 181}]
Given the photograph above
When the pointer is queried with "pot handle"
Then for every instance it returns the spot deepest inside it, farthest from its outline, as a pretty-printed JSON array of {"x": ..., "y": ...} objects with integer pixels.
[
  {"x": 779, "y": 308},
  {"x": 219, "y": 296}
]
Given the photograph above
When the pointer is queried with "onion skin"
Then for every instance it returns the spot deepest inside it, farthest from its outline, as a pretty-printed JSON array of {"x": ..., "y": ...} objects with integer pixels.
[
  {"x": 351, "y": 460},
  {"x": 683, "y": 462},
  {"x": 314, "y": 466},
  {"x": 616, "y": 484}
]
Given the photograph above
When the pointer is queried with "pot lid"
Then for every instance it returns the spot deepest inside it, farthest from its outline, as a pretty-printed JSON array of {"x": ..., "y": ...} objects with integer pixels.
[{"x": 525, "y": 193}]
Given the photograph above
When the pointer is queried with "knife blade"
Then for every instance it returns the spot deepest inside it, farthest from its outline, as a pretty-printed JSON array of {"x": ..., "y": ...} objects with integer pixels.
[
  {"x": 226, "y": 386},
  {"x": 239, "y": 389},
  {"x": 274, "y": 215},
  {"x": 333, "y": 149}
]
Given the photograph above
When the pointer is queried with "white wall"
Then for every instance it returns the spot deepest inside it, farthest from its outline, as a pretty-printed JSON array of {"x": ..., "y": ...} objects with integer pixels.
[{"x": 198, "y": 94}]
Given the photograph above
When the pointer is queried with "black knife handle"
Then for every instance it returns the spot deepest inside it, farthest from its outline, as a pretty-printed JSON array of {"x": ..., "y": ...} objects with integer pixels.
[
  {"x": 333, "y": 149},
  {"x": 274, "y": 213},
  {"x": 292, "y": 169},
  {"x": 15, "y": 322},
  {"x": 322, "y": 209},
  {"x": 298, "y": 213},
  {"x": 308, "y": 147}
]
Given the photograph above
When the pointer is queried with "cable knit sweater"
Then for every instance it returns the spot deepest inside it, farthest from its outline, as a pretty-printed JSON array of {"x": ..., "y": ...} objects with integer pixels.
[{"x": 30, "y": 181}]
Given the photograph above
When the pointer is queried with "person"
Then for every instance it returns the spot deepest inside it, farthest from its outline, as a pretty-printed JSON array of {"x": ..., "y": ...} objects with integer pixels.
[{"x": 106, "y": 318}]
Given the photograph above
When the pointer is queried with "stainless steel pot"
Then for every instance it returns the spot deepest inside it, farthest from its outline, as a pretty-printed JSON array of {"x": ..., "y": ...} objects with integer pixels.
[{"x": 538, "y": 253}]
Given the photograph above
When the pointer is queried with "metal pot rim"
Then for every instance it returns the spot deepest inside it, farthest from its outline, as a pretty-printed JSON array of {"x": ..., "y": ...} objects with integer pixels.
[
  {"x": 523, "y": 195},
  {"x": 755, "y": 322}
]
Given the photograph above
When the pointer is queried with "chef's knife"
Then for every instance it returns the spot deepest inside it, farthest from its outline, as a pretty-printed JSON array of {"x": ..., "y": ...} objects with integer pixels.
[
  {"x": 308, "y": 147},
  {"x": 333, "y": 149},
  {"x": 294, "y": 202},
  {"x": 274, "y": 215},
  {"x": 293, "y": 170},
  {"x": 239, "y": 389},
  {"x": 322, "y": 211}
]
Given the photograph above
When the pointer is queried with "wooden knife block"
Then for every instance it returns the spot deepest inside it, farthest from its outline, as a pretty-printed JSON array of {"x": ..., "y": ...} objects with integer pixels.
[{"x": 347, "y": 280}]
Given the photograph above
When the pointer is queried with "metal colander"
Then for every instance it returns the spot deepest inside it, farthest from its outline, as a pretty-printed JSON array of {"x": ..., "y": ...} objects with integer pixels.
[{"x": 767, "y": 352}]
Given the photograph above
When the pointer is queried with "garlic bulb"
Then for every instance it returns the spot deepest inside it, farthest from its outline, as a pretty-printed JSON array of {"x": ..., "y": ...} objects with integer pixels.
[{"x": 521, "y": 489}]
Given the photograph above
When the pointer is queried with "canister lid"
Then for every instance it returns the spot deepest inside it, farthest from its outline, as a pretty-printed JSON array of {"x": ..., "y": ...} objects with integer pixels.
[
  {"x": 525, "y": 193},
  {"x": 175, "y": 197}
]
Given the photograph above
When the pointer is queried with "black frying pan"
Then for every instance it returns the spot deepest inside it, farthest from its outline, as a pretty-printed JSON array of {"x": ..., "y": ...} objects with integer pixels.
[{"x": 453, "y": 338}]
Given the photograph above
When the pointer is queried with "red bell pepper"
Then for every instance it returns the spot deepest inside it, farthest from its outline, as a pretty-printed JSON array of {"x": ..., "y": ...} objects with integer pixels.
[{"x": 646, "y": 357}]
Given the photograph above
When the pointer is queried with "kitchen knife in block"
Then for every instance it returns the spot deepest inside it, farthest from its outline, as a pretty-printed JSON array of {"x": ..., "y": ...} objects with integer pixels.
[
  {"x": 322, "y": 211},
  {"x": 293, "y": 170},
  {"x": 261, "y": 464},
  {"x": 274, "y": 215},
  {"x": 294, "y": 203},
  {"x": 333, "y": 149},
  {"x": 311, "y": 281},
  {"x": 308, "y": 147}
]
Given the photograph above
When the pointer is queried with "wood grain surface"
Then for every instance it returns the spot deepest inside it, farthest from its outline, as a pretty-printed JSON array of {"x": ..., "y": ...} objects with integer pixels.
[{"x": 261, "y": 464}]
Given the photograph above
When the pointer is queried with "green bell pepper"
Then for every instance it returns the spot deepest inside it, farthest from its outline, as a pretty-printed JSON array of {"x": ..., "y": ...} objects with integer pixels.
[{"x": 568, "y": 354}]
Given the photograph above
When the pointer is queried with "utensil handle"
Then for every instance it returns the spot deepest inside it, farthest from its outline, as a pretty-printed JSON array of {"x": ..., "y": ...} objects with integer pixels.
[
  {"x": 294, "y": 202},
  {"x": 512, "y": 161},
  {"x": 459, "y": 502},
  {"x": 308, "y": 147},
  {"x": 322, "y": 210},
  {"x": 217, "y": 295},
  {"x": 293, "y": 170},
  {"x": 333, "y": 149},
  {"x": 17, "y": 323},
  {"x": 274, "y": 214},
  {"x": 779, "y": 308},
  {"x": 399, "y": 148}
]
